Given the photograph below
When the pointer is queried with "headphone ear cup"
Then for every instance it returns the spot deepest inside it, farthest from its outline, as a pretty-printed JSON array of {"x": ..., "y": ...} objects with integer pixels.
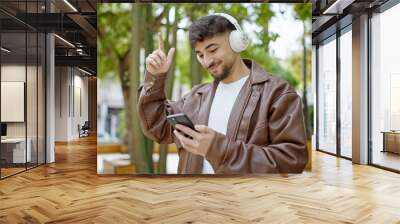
[{"x": 238, "y": 41}]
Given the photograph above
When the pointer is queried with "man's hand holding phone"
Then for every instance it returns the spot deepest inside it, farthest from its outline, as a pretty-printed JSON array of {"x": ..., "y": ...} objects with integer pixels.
[
  {"x": 196, "y": 139},
  {"x": 158, "y": 62},
  {"x": 201, "y": 140}
]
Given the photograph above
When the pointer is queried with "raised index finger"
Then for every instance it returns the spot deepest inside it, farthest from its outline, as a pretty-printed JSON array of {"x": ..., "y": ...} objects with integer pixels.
[{"x": 160, "y": 42}]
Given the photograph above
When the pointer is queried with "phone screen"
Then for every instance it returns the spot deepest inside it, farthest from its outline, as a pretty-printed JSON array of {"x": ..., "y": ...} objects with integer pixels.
[{"x": 182, "y": 119}]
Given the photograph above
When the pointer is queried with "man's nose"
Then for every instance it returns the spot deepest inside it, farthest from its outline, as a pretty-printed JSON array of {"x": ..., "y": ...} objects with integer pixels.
[{"x": 208, "y": 61}]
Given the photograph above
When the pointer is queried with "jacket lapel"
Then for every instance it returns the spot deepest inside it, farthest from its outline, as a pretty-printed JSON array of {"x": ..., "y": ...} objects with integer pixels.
[
  {"x": 237, "y": 109},
  {"x": 246, "y": 95},
  {"x": 195, "y": 163}
]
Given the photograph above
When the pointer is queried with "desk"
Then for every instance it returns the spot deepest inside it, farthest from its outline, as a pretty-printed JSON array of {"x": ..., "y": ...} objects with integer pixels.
[
  {"x": 391, "y": 141},
  {"x": 13, "y": 150}
]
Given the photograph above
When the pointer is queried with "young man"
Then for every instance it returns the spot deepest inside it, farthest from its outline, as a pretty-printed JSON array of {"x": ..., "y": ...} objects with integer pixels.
[{"x": 247, "y": 121}]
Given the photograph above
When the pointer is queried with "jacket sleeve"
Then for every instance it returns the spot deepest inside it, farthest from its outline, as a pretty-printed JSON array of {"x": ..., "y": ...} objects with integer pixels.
[
  {"x": 153, "y": 108},
  {"x": 287, "y": 152}
]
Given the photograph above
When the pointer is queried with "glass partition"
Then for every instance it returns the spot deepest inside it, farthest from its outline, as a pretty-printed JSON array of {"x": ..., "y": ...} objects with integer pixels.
[
  {"x": 346, "y": 93},
  {"x": 22, "y": 87},
  {"x": 385, "y": 89},
  {"x": 31, "y": 97},
  {"x": 41, "y": 109},
  {"x": 14, "y": 153},
  {"x": 327, "y": 96}
]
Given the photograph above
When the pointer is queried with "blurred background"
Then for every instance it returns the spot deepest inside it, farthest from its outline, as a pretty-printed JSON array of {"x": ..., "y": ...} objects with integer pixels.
[{"x": 280, "y": 37}]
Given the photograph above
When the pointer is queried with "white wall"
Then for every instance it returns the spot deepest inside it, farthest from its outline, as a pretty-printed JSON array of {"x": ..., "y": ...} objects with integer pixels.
[
  {"x": 71, "y": 94},
  {"x": 12, "y": 73},
  {"x": 61, "y": 103},
  {"x": 33, "y": 126}
]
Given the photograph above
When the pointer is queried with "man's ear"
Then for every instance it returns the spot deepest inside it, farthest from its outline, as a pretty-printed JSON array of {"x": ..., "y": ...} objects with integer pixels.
[
  {"x": 197, "y": 55},
  {"x": 198, "y": 58}
]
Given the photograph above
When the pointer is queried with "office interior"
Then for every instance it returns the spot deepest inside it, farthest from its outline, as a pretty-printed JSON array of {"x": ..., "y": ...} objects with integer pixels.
[
  {"x": 356, "y": 82},
  {"x": 48, "y": 88},
  {"x": 48, "y": 80}
]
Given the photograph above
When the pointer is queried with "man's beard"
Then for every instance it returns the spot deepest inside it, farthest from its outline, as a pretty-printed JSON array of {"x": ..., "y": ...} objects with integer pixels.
[{"x": 226, "y": 70}]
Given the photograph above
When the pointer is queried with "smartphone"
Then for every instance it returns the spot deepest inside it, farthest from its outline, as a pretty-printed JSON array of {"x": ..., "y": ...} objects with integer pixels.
[{"x": 180, "y": 118}]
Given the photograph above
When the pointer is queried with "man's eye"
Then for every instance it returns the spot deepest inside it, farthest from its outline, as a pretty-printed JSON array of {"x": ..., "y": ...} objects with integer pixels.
[
  {"x": 213, "y": 50},
  {"x": 200, "y": 56}
]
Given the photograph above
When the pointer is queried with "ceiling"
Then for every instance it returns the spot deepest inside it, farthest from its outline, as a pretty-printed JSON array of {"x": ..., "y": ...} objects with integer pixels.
[
  {"x": 74, "y": 22},
  {"x": 330, "y": 15}
]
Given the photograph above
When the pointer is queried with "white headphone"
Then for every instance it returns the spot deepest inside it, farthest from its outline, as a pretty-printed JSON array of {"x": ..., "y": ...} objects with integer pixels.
[{"x": 237, "y": 39}]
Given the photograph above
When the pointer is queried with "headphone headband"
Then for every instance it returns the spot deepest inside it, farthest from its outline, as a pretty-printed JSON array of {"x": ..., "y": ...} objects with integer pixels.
[
  {"x": 231, "y": 19},
  {"x": 237, "y": 39}
]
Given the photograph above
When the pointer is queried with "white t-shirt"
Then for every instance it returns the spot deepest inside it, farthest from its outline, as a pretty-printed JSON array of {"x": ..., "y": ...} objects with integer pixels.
[{"x": 225, "y": 97}]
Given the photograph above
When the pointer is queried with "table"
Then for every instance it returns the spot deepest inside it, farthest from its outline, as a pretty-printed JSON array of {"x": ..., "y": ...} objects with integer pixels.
[
  {"x": 391, "y": 141},
  {"x": 13, "y": 150}
]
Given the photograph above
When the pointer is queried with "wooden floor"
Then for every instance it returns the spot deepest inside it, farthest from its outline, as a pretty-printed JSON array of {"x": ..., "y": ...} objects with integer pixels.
[
  {"x": 10, "y": 171},
  {"x": 70, "y": 191},
  {"x": 387, "y": 159}
]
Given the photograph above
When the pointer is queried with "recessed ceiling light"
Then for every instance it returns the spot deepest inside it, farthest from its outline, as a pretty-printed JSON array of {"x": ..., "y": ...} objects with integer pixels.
[
  {"x": 70, "y": 5},
  {"x": 337, "y": 7},
  {"x": 84, "y": 71},
  {"x": 5, "y": 49},
  {"x": 64, "y": 40}
]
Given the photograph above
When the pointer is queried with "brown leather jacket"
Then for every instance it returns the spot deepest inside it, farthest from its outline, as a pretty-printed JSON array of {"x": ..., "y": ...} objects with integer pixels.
[{"x": 265, "y": 131}]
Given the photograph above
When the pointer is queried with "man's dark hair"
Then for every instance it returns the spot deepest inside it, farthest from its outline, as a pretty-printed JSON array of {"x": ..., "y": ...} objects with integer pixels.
[{"x": 208, "y": 26}]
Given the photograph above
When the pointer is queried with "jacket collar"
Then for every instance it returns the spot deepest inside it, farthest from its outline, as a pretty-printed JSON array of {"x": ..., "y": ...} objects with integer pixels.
[{"x": 257, "y": 75}]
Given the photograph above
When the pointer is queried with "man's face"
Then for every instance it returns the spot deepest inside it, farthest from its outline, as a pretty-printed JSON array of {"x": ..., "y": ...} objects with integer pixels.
[{"x": 215, "y": 55}]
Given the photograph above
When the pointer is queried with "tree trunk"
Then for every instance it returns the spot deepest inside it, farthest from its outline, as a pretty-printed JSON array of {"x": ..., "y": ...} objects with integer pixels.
[
  {"x": 147, "y": 19},
  {"x": 195, "y": 69},
  {"x": 171, "y": 72},
  {"x": 305, "y": 106},
  {"x": 266, "y": 31},
  {"x": 148, "y": 31},
  {"x": 162, "y": 165},
  {"x": 125, "y": 92},
  {"x": 162, "y": 161},
  {"x": 140, "y": 152}
]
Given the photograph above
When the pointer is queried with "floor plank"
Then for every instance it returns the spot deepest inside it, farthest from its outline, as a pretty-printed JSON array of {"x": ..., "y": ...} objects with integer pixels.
[{"x": 70, "y": 191}]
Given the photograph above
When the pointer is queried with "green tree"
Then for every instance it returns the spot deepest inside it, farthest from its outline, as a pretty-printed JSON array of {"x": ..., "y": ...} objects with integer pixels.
[
  {"x": 118, "y": 58},
  {"x": 264, "y": 15},
  {"x": 194, "y": 12},
  {"x": 303, "y": 13}
]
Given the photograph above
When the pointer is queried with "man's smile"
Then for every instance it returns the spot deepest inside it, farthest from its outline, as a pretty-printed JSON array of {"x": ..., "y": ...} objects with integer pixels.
[{"x": 213, "y": 68}]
